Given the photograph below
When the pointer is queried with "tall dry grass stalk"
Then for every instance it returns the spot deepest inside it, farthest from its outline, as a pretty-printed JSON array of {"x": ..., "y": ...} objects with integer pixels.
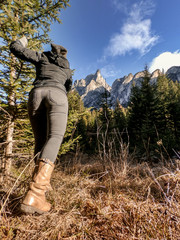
[{"x": 113, "y": 151}]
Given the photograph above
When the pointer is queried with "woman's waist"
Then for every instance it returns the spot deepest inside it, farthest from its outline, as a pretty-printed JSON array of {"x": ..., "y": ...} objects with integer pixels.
[{"x": 46, "y": 83}]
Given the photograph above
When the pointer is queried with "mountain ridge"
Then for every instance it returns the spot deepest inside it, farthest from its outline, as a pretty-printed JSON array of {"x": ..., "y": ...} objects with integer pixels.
[{"x": 94, "y": 86}]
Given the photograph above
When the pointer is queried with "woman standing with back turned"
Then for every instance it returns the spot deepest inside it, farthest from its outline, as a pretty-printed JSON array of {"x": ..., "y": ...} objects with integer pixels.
[{"x": 48, "y": 111}]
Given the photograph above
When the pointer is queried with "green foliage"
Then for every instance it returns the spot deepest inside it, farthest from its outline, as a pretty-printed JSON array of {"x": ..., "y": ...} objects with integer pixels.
[
  {"x": 23, "y": 135},
  {"x": 120, "y": 117},
  {"x": 105, "y": 118},
  {"x": 169, "y": 114},
  {"x": 154, "y": 116},
  {"x": 32, "y": 18},
  {"x": 142, "y": 115},
  {"x": 76, "y": 112},
  {"x": 18, "y": 18},
  {"x": 88, "y": 128}
]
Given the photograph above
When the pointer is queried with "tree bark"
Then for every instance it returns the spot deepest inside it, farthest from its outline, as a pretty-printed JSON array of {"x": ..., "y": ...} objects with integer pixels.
[
  {"x": 10, "y": 125},
  {"x": 9, "y": 147}
]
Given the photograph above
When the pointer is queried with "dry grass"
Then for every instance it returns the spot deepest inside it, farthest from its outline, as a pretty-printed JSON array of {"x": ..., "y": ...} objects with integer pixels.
[{"x": 131, "y": 201}]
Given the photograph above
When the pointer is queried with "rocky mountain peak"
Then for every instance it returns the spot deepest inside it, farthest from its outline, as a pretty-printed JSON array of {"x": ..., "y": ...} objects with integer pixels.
[
  {"x": 128, "y": 78},
  {"x": 156, "y": 73},
  {"x": 174, "y": 73},
  {"x": 94, "y": 85},
  {"x": 175, "y": 69},
  {"x": 139, "y": 75},
  {"x": 98, "y": 73}
]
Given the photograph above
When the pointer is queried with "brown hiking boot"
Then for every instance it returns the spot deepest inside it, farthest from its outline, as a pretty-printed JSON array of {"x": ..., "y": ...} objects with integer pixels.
[{"x": 35, "y": 201}]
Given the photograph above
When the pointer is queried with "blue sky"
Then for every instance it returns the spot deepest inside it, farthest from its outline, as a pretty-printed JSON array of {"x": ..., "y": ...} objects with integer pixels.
[{"x": 119, "y": 36}]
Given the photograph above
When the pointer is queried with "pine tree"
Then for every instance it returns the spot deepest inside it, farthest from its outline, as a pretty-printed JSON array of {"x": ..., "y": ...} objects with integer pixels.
[
  {"x": 120, "y": 118},
  {"x": 104, "y": 126},
  {"x": 142, "y": 116},
  {"x": 168, "y": 115},
  {"x": 175, "y": 113},
  {"x": 20, "y": 17},
  {"x": 120, "y": 125},
  {"x": 90, "y": 145},
  {"x": 135, "y": 114},
  {"x": 154, "y": 115},
  {"x": 75, "y": 130},
  {"x": 105, "y": 113}
]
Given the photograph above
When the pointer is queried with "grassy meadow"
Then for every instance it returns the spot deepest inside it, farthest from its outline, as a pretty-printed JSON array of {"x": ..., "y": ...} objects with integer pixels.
[{"x": 122, "y": 199}]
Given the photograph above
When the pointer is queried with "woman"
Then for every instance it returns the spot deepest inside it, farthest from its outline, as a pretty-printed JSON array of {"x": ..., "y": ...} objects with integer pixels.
[{"x": 48, "y": 110}]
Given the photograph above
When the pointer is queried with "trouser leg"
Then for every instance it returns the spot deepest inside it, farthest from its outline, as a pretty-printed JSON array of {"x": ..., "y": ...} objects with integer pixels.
[
  {"x": 38, "y": 119},
  {"x": 39, "y": 126},
  {"x": 56, "y": 126},
  {"x": 48, "y": 110}
]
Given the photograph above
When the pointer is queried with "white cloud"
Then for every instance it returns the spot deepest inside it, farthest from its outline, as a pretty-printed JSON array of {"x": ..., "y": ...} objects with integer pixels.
[
  {"x": 120, "y": 4},
  {"x": 146, "y": 7},
  {"x": 136, "y": 32},
  {"x": 142, "y": 9},
  {"x": 165, "y": 60},
  {"x": 110, "y": 71}
]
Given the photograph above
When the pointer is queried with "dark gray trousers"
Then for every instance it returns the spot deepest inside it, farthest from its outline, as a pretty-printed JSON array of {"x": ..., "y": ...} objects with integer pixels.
[{"x": 48, "y": 111}]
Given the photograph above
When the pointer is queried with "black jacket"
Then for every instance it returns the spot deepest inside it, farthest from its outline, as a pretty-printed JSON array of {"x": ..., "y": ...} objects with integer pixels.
[{"x": 52, "y": 69}]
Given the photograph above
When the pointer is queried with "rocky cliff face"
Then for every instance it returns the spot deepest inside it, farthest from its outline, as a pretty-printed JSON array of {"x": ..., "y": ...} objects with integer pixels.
[
  {"x": 174, "y": 73},
  {"x": 91, "y": 89},
  {"x": 94, "y": 85},
  {"x": 121, "y": 88}
]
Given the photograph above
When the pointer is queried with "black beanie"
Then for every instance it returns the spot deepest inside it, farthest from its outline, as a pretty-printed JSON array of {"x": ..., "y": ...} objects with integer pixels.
[{"x": 59, "y": 49}]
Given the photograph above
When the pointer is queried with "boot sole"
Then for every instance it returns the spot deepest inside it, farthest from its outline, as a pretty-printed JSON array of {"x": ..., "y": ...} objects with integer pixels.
[{"x": 30, "y": 209}]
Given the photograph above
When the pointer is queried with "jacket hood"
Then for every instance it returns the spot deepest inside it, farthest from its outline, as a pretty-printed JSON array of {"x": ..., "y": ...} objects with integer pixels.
[{"x": 58, "y": 49}]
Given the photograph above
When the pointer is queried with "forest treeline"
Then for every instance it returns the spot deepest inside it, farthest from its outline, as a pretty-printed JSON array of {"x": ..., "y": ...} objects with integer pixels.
[{"x": 149, "y": 125}]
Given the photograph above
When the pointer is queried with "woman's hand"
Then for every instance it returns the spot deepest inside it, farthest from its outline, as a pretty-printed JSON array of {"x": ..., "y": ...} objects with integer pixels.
[{"x": 24, "y": 41}]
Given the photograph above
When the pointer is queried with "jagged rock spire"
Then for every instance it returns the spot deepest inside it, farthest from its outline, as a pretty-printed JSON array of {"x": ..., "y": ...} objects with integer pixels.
[{"x": 92, "y": 87}]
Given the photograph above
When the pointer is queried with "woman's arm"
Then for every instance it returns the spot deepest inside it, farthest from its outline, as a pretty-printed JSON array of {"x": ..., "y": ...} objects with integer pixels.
[{"x": 18, "y": 48}]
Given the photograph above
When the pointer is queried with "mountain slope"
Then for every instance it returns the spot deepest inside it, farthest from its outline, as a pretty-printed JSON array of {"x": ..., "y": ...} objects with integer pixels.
[{"x": 94, "y": 86}]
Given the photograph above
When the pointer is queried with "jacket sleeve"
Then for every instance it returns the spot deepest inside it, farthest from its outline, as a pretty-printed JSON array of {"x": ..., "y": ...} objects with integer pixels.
[{"x": 24, "y": 53}]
